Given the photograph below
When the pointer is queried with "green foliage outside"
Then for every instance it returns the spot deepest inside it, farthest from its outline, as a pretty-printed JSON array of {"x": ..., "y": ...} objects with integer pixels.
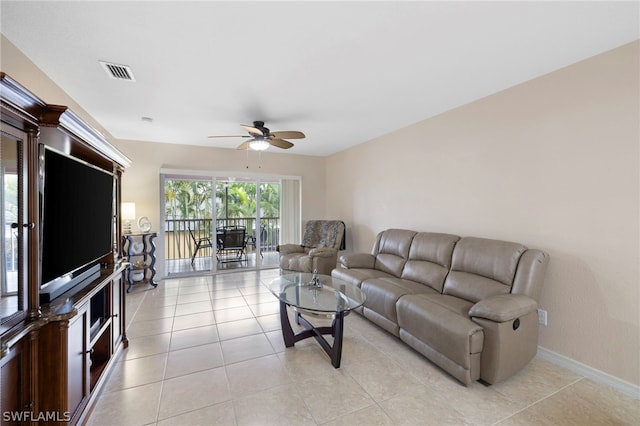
[{"x": 191, "y": 199}]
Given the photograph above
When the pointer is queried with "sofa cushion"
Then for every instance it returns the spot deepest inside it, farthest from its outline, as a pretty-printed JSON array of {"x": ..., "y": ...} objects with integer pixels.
[
  {"x": 383, "y": 293},
  {"x": 482, "y": 268},
  {"x": 449, "y": 333},
  {"x": 452, "y": 303},
  {"x": 430, "y": 259},
  {"x": 357, "y": 276},
  {"x": 392, "y": 250},
  {"x": 295, "y": 262}
]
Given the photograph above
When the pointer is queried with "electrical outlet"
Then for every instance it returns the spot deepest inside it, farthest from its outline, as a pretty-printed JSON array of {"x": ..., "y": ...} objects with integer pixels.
[{"x": 542, "y": 317}]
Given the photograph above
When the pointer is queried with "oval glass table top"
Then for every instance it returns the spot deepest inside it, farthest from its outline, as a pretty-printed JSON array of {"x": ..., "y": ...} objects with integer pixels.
[{"x": 326, "y": 295}]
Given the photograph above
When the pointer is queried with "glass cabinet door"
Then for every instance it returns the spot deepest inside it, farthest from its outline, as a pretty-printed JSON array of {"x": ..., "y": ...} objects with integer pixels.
[{"x": 12, "y": 232}]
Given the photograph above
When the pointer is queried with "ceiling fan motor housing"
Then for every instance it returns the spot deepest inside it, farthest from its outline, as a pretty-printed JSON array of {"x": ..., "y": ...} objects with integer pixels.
[{"x": 260, "y": 125}]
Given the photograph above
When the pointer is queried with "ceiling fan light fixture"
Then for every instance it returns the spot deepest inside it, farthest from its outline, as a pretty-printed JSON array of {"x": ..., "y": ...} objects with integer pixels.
[{"x": 259, "y": 144}]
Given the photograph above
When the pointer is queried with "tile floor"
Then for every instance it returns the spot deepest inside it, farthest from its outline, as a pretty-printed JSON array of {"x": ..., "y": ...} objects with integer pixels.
[{"x": 208, "y": 350}]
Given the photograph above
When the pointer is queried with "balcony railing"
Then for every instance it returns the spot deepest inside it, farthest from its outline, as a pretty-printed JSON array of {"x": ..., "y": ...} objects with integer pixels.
[{"x": 180, "y": 245}]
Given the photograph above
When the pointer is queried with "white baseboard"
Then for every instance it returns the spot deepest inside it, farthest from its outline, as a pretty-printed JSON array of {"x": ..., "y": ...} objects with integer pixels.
[{"x": 591, "y": 373}]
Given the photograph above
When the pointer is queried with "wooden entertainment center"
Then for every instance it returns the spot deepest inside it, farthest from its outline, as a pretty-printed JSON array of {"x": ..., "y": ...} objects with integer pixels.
[{"x": 54, "y": 356}]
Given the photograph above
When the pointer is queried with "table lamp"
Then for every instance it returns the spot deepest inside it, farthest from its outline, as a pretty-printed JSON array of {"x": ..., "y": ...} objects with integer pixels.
[{"x": 128, "y": 214}]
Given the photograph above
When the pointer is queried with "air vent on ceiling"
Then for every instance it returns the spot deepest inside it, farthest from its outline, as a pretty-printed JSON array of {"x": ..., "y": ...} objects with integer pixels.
[{"x": 118, "y": 72}]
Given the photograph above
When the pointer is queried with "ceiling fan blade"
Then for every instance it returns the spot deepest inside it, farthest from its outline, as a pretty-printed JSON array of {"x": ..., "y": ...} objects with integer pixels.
[
  {"x": 280, "y": 143},
  {"x": 253, "y": 130},
  {"x": 244, "y": 145},
  {"x": 291, "y": 134},
  {"x": 229, "y": 136}
]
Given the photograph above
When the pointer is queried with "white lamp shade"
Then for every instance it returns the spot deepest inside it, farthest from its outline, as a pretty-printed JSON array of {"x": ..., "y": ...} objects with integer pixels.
[
  {"x": 259, "y": 144},
  {"x": 128, "y": 211}
]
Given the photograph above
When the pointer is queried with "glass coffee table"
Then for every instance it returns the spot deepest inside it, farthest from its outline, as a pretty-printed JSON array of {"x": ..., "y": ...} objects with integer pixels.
[{"x": 318, "y": 296}]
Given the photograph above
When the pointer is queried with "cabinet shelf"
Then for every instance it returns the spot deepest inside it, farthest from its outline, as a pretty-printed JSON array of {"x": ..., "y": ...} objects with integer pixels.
[{"x": 98, "y": 329}]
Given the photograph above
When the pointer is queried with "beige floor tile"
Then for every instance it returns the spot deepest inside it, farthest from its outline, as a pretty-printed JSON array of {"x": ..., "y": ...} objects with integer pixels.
[
  {"x": 197, "y": 288},
  {"x": 331, "y": 395},
  {"x": 224, "y": 293},
  {"x": 193, "y": 337},
  {"x": 136, "y": 372},
  {"x": 146, "y": 346},
  {"x": 233, "y": 314},
  {"x": 193, "y": 308},
  {"x": 276, "y": 406},
  {"x": 193, "y": 320},
  {"x": 149, "y": 327},
  {"x": 270, "y": 322},
  {"x": 152, "y": 313},
  {"x": 304, "y": 362},
  {"x": 369, "y": 416},
  {"x": 240, "y": 328},
  {"x": 215, "y": 415},
  {"x": 254, "y": 299},
  {"x": 244, "y": 348},
  {"x": 253, "y": 289},
  {"x": 193, "y": 297},
  {"x": 422, "y": 408},
  {"x": 537, "y": 380},
  {"x": 134, "y": 406},
  {"x": 268, "y": 308},
  {"x": 255, "y": 375},
  {"x": 477, "y": 402},
  {"x": 190, "y": 360},
  {"x": 228, "y": 302},
  {"x": 164, "y": 298},
  {"x": 583, "y": 403},
  {"x": 417, "y": 365},
  {"x": 276, "y": 340},
  {"x": 382, "y": 378},
  {"x": 194, "y": 391}
]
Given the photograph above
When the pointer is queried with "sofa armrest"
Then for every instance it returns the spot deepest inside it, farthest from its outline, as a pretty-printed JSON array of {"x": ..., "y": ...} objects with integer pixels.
[
  {"x": 289, "y": 248},
  {"x": 323, "y": 252},
  {"x": 358, "y": 260},
  {"x": 504, "y": 307}
]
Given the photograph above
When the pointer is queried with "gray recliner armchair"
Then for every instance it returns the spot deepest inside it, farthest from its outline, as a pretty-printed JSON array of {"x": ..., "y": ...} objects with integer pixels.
[{"x": 318, "y": 250}]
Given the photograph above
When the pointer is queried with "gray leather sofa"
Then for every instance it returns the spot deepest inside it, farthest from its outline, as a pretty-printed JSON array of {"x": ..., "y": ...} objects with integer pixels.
[{"x": 467, "y": 304}]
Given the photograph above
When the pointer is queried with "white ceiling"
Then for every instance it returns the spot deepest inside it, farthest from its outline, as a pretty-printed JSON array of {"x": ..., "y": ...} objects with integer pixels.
[{"x": 342, "y": 72}]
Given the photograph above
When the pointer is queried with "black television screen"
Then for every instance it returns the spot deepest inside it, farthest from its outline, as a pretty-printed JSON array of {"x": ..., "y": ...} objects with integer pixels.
[{"x": 77, "y": 215}]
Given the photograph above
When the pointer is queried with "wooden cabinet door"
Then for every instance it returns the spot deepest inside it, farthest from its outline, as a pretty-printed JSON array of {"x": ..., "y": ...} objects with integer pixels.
[
  {"x": 77, "y": 368},
  {"x": 117, "y": 312},
  {"x": 15, "y": 386}
]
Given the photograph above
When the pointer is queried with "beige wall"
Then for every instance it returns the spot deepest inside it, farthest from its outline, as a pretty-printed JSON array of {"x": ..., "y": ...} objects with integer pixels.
[{"x": 552, "y": 163}]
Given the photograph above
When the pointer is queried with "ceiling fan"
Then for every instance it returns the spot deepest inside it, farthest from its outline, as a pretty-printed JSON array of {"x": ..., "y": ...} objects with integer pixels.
[{"x": 261, "y": 137}]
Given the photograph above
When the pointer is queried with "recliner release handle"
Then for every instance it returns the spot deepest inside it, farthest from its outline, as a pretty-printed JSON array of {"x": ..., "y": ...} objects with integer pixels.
[{"x": 516, "y": 323}]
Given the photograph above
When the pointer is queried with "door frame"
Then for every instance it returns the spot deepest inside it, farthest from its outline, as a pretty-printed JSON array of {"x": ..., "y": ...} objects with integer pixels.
[{"x": 215, "y": 176}]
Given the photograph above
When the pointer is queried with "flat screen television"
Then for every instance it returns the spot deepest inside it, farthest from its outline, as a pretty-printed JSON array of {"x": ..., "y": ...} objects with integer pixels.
[{"x": 76, "y": 221}]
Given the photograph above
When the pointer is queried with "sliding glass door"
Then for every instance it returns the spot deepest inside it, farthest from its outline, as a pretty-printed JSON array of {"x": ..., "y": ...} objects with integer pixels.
[
  {"x": 223, "y": 223},
  {"x": 252, "y": 205},
  {"x": 188, "y": 224}
]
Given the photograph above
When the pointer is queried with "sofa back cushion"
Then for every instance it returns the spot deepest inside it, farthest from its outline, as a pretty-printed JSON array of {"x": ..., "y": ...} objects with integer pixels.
[
  {"x": 391, "y": 250},
  {"x": 481, "y": 268},
  {"x": 429, "y": 259}
]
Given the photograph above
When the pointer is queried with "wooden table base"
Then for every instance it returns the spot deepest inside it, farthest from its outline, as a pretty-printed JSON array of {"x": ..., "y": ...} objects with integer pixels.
[{"x": 336, "y": 330}]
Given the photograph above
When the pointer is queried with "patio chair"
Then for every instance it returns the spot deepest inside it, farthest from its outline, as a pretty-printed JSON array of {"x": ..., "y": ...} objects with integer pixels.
[
  {"x": 231, "y": 242},
  {"x": 199, "y": 243},
  {"x": 318, "y": 251}
]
